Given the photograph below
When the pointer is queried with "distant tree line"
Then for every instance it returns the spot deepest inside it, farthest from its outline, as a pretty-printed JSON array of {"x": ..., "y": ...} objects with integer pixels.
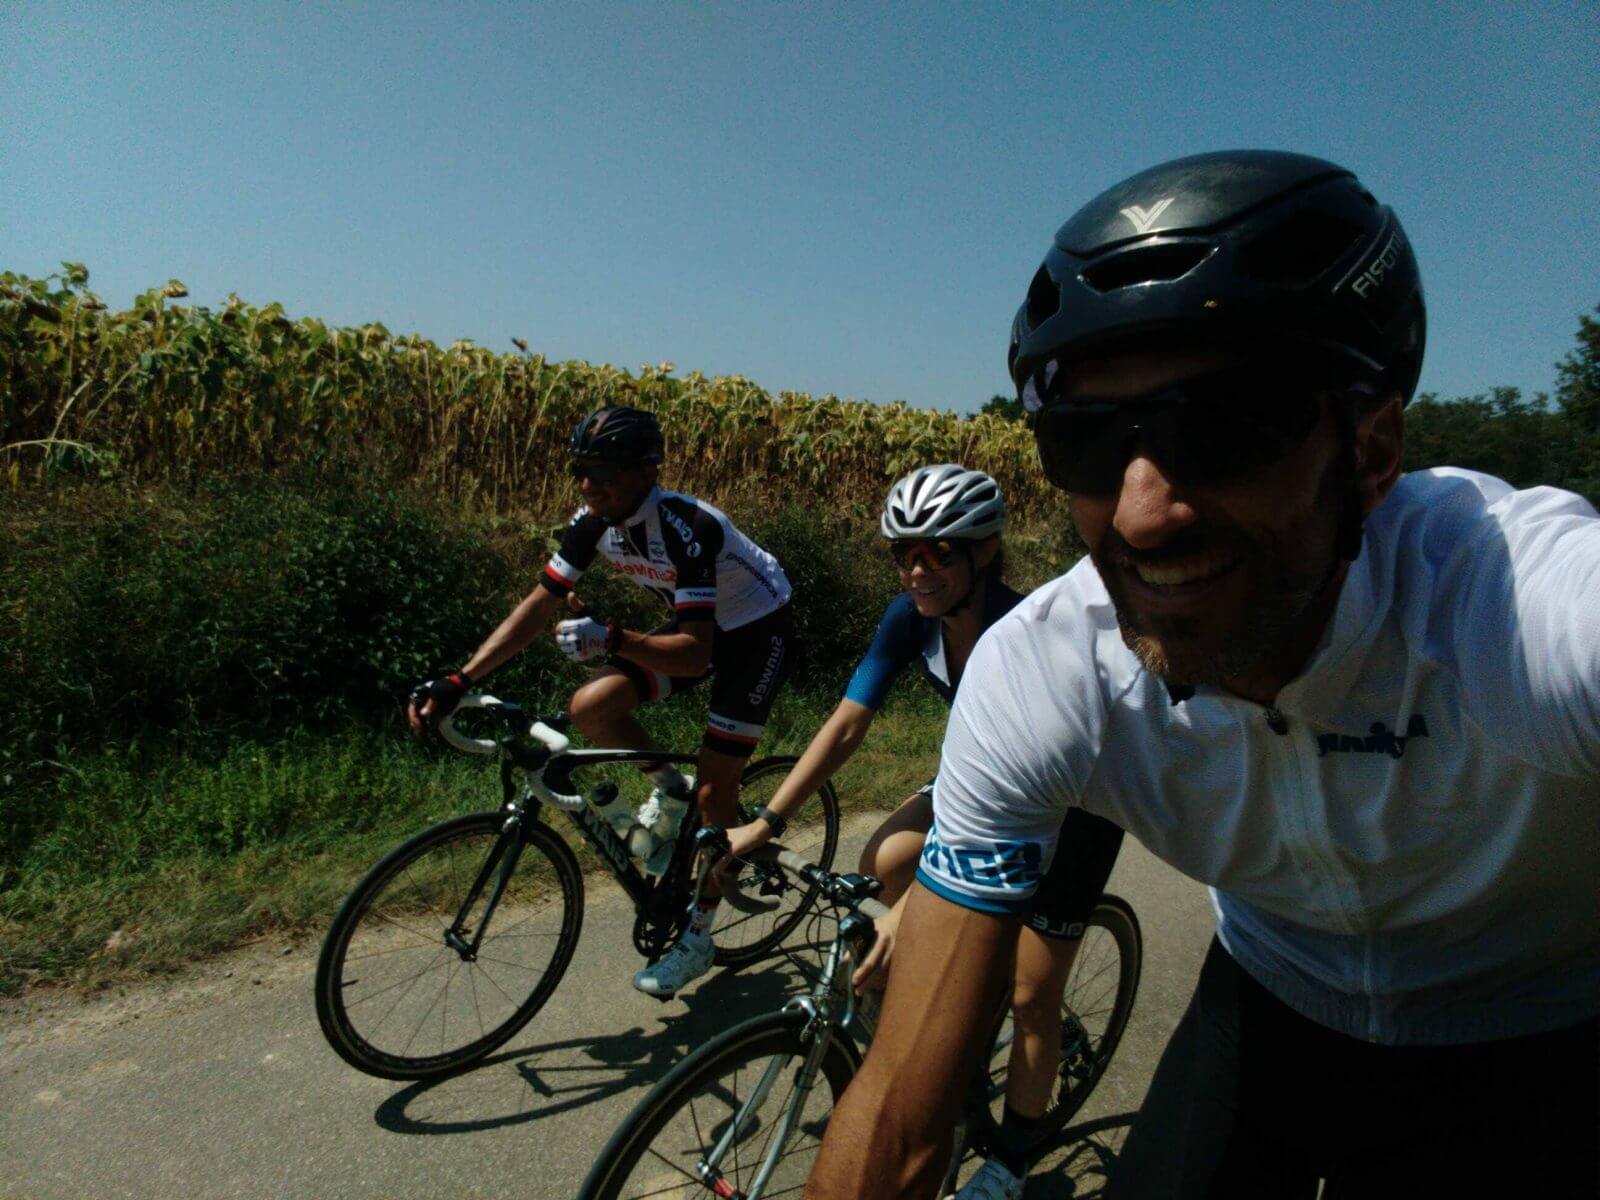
[{"x": 1525, "y": 441}]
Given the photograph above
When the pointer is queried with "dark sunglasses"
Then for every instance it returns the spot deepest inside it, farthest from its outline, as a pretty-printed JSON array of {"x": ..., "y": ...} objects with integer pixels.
[
  {"x": 600, "y": 472},
  {"x": 1210, "y": 429},
  {"x": 932, "y": 554}
]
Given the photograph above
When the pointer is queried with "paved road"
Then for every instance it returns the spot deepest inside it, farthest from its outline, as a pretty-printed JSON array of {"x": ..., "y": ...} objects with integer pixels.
[{"x": 220, "y": 1085}]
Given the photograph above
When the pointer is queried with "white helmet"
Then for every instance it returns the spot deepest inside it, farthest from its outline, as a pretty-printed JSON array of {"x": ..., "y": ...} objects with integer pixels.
[{"x": 944, "y": 501}]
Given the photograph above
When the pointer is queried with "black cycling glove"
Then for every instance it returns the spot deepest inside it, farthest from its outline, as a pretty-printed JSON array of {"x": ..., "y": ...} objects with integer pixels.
[{"x": 445, "y": 692}]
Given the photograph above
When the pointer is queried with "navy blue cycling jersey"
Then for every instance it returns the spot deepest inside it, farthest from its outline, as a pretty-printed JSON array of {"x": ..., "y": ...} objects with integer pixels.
[{"x": 903, "y": 635}]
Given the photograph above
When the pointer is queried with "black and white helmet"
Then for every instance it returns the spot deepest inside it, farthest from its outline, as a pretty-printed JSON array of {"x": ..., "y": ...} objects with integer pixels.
[{"x": 944, "y": 501}]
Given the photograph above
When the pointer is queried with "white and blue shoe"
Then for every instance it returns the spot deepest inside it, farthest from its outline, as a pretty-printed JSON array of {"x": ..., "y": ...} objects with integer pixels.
[
  {"x": 680, "y": 966},
  {"x": 994, "y": 1181}
]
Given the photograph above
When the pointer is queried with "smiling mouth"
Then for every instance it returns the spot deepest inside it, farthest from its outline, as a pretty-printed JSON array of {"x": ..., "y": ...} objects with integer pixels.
[{"x": 1184, "y": 574}]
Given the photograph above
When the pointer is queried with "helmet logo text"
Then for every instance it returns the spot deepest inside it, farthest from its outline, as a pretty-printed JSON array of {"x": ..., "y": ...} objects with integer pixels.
[
  {"x": 1143, "y": 218},
  {"x": 1378, "y": 268}
]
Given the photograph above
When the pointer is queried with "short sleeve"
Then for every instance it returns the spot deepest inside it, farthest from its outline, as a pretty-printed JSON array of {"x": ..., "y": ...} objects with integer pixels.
[
  {"x": 578, "y": 544},
  {"x": 893, "y": 646},
  {"x": 1018, "y": 753}
]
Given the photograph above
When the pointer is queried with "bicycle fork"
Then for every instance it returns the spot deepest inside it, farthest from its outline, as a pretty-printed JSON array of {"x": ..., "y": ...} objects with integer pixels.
[{"x": 507, "y": 850}]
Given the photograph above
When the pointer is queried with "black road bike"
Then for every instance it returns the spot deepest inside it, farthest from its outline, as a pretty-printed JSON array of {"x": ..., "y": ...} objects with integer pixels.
[
  {"x": 742, "y": 1117},
  {"x": 457, "y": 937}
]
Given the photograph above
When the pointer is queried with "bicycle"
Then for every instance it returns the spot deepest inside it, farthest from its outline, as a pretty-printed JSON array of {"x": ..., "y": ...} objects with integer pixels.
[
  {"x": 699, "y": 1132},
  {"x": 455, "y": 939}
]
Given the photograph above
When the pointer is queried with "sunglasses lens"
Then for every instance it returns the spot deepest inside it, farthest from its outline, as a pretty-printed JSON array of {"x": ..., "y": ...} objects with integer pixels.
[
  {"x": 907, "y": 554},
  {"x": 600, "y": 472},
  {"x": 1208, "y": 430}
]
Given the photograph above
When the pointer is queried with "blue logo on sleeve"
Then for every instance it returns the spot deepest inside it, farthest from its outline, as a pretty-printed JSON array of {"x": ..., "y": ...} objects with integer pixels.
[{"x": 1008, "y": 866}]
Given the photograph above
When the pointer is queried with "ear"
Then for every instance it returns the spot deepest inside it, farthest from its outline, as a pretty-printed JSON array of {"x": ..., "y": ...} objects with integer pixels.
[
  {"x": 983, "y": 553},
  {"x": 1380, "y": 444}
]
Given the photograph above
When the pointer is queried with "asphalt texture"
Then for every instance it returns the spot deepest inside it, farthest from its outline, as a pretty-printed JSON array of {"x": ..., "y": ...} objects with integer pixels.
[{"x": 219, "y": 1083}]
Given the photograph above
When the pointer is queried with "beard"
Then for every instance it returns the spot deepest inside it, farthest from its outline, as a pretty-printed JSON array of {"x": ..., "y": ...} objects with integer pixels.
[{"x": 1283, "y": 573}]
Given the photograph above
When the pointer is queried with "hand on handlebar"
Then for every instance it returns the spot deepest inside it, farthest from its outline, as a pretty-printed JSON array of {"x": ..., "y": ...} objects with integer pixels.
[
  {"x": 432, "y": 700},
  {"x": 873, "y": 972}
]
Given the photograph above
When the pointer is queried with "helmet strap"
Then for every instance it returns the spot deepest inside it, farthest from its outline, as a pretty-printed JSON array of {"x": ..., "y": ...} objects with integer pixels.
[{"x": 973, "y": 580}]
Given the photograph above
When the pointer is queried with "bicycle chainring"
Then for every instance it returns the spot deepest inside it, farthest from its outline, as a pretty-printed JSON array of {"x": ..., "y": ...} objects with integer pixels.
[{"x": 657, "y": 927}]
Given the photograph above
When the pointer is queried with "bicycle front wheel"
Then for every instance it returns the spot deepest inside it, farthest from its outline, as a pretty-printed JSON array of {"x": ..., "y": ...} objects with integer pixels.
[
  {"x": 728, "y": 1113},
  {"x": 813, "y": 833},
  {"x": 413, "y": 982},
  {"x": 1095, "y": 1006}
]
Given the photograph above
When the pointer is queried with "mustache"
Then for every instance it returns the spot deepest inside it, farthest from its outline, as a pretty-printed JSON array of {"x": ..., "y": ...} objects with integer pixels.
[{"x": 1186, "y": 543}]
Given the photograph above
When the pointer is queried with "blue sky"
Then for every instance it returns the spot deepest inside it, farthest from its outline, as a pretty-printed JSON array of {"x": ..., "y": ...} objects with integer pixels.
[{"x": 825, "y": 198}]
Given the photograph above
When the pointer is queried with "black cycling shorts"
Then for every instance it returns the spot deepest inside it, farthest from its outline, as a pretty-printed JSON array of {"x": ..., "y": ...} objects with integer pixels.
[
  {"x": 1251, "y": 1099},
  {"x": 1085, "y": 853},
  {"x": 748, "y": 668}
]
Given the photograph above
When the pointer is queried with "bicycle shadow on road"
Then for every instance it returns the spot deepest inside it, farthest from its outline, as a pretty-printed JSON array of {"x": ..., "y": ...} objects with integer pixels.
[
  {"x": 1077, "y": 1162},
  {"x": 532, "y": 1083}
]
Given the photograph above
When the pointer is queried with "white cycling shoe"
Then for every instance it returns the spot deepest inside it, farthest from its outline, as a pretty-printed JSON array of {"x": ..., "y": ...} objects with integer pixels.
[
  {"x": 689, "y": 959},
  {"x": 994, "y": 1181}
]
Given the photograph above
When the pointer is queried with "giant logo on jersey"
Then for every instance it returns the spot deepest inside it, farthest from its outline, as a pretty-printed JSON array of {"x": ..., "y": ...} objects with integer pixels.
[
  {"x": 681, "y": 527},
  {"x": 1010, "y": 866}
]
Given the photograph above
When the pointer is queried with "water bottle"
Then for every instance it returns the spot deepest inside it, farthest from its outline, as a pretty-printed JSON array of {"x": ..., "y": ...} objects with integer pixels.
[
  {"x": 604, "y": 802},
  {"x": 642, "y": 841},
  {"x": 669, "y": 817}
]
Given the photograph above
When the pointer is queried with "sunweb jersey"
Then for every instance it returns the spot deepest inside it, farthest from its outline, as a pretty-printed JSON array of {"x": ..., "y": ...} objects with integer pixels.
[
  {"x": 905, "y": 635},
  {"x": 682, "y": 550},
  {"x": 1407, "y": 849}
]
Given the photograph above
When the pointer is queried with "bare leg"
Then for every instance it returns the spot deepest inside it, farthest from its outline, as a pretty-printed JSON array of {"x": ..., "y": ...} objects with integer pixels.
[
  {"x": 1043, "y": 965},
  {"x": 603, "y": 709},
  {"x": 717, "y": 795},
  {"x": 892, "y": 852}
]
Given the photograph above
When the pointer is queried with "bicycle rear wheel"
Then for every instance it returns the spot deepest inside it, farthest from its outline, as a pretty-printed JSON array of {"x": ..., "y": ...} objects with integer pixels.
[
  {"x": 733, "y": 1092},
  {"x": 813, "y": 832},
  {"x": 401, "y": 991},
  {"x": 1095, "y": 1007}
]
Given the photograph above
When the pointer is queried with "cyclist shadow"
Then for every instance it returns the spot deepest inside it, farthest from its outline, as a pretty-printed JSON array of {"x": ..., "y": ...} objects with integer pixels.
[
  {"x": 1076, "y": 1163},
  {"x": 535, "y": 1082}
]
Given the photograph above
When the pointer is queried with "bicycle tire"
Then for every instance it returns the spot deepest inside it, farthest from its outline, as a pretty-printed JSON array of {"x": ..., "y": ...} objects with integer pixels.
[
  {"x": 755, "y": 1043},
  {"x": 813, "y": 832},
  {"x": 1088, "y": 1009},
  {"x": 546, "y": 872}
]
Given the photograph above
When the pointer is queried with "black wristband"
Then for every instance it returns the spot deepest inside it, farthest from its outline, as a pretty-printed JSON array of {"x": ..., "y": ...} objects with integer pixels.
[
  {"x": 613, "y": 637},
  {"x": 774, "y": 822}
]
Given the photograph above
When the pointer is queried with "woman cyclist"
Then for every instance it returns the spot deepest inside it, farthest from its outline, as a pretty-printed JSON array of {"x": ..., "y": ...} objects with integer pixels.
[{"x": 943, "y": 524}]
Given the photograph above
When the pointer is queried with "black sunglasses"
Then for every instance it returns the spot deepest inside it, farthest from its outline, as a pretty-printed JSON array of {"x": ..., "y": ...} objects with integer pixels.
[
  {"x": 932, "y": 553},
  {"x": 601, "y": 472},
  {"x": 1210, "y": 429}
]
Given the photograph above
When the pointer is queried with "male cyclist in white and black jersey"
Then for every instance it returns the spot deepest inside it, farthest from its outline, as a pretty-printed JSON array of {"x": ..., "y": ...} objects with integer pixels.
[
  {"x": 1364, "y": 708},
  {"x": 730, "y": 623}
]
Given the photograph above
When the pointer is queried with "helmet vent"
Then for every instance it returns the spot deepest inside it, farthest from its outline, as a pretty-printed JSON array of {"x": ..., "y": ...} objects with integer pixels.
[
  {"x": 1044, "y": 299},
  {"x": 1299, "y": 250},
  {"x": 1146, "y": 264}
]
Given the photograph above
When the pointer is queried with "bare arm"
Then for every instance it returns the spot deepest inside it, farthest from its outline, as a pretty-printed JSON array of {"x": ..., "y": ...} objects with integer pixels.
[
  {"x": 890, "y": 1133},
  {"x": 511, "y": 636},
  {"x": 829, "y": 750},
  {"x": 684, "y": 651}
]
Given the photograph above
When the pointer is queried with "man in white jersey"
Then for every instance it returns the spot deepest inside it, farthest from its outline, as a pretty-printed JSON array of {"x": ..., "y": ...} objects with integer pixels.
[
  {"x": 730, "y": 623},
  {"x": 1364, "y": 708}
]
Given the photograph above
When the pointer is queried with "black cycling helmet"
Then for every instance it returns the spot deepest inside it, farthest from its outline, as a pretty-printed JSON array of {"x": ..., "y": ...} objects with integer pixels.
[
  {"x": 1236, "y": 244},
  {"x": 625, "y": 436}
]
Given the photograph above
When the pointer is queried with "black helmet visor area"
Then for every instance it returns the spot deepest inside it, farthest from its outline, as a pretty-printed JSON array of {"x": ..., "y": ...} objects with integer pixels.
[
  {"x": 625, "y": 436},
  {"x": 1255, "y": 245},
  {"x": 1212, "y": 428}
]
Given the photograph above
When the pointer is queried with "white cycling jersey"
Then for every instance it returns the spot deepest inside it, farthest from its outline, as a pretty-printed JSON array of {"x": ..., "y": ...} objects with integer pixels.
[
  {"x": 682, "y": 550},
  {"x": 1415, "y": 857}
]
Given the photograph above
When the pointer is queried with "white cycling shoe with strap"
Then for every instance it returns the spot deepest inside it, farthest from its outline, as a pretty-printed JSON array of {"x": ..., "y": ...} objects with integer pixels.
[
  {"x": 994, "y": 1181},
  {"x": 688, "y": 959}
]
